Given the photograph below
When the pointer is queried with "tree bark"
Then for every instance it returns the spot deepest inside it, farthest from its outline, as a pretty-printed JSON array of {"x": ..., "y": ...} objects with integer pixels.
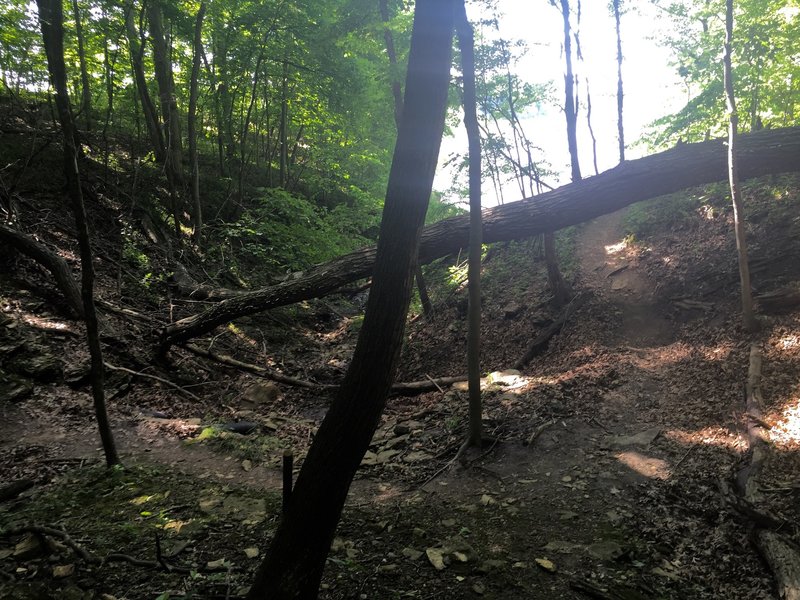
[
  {"x": 148, "y": 108},
  {"x": 561, "y": 291},
  {"x": 748, "y": 315},
  {"x": 86, "y": 90},
  {"x": 760, "y": 153},
  {"x": 466, "y": 44},
  {"x": 173, "y": 163},
  {"x": 293, "y": 565},
  {"x": 620, "y": 129},
  {"x": 397, "y": 95},
  {"x": 51, "y": 19},
  {"x": 197, "y": 214}
]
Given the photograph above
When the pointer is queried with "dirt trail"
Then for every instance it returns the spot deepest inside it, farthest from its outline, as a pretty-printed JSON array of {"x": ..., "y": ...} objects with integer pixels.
[{"x": 611, "y": 267}]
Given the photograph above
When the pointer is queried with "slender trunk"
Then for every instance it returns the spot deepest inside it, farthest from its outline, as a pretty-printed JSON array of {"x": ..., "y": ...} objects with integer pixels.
[
  {"x": 591, "y": 129},
  {"x": 282, "y": 127},
  {"x": 748, "y": 315},
  {"x": 86, "y": 90},
  {"x": 197, "y": 216},
  {"x": 246, "y": 124},
  {"x": 397, "y": 95},
  {"x": 466, "y": 45},
  {"x": 173, "y": 163},
  {"x": 51, "y": 19},
  {"x": 570, "y": 109},
  {"x": 620, "y": 129},
  {"x": 294, "y": 562},
  {"x": 559, "y": 288},
  {"x": 148, "y": 108}
]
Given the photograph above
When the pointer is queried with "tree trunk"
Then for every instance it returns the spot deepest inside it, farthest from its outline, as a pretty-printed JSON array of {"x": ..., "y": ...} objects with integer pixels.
[
  {"x": 466, "y": 44},
  {"x": 570, "y": 108},
  {"x": 282, "y": 127},
  {"x": 197, "y": 215},
  {"x": 173, "y": 163},
  {"x": 760, "y": 153},
  {"x": 559, "y": 288},
  {"x": 620, "y": 129},
  {"x": 51, "y": 19},
  {"x": 748, "y": 316},
  {"x": 86, "y": 90},
  {"x": 397, "y": 95},
  {"x": 293, "y": 565},
  {"x": 246, "y": 124},
  {"x": 148, "y": 108}
]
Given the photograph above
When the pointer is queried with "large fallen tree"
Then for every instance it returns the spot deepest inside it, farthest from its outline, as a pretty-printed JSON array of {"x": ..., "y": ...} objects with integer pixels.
[{"x": 761, "y": 153}]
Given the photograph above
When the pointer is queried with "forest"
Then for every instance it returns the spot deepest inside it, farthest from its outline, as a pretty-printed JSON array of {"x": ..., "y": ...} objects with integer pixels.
[{"x": 382, "y": 299}]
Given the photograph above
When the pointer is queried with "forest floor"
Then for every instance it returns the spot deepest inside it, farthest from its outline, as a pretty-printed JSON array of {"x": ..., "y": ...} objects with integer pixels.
[{"x": 605, "y": 475}]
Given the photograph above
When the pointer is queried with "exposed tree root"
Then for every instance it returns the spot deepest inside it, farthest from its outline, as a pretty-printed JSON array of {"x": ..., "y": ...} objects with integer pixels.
[
  {"x": 782, "y": 556},
  {"x": 539, "y": 344}
]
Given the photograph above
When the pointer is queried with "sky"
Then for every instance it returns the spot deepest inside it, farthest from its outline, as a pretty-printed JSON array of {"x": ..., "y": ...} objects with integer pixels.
[{"x": 651, "y": 86}]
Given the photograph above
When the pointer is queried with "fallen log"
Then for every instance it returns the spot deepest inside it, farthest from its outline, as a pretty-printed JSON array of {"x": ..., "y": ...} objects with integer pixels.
[
  {"x": 780, "y": 300},
  {"x": 760, "y": 153},
  {"x": 51, "y": 261},
  {"x": 783, "y": 557}
]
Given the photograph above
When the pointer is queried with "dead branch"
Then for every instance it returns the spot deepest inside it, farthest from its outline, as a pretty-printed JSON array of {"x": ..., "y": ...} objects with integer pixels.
[
  {"x": 155, "y": 377},
  {"x": 538, "y": 431},
  {"x": 258, "y": 370},
  {"x": 51, "y": 261}
]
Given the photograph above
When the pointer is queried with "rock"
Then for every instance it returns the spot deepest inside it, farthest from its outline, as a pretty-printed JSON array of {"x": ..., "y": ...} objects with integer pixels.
[
  {"x": 606, "y": 550},
  {"x": 389, "y": 569},
  {"x": 562, "y": 547},
  {"x": 511, "y": 310},
  {"x": 77, "y": 374},
  {"x": 401, "y": 429},
  {"x": 416, "y": 456},
  {"x": 479, "y": 588},
  {"x": 240, "y": 427},
  {"x": 41, "y": 367},
  {"x": 644, "y": 438},
  {"x": 251, "y": 552},
  {"x": 411, "y": 554},
  {"x": 436, "y": 557},
  {"x": 30, "y": 546},
  {"x": 261, "y": 393},
  {"x": 14, "y": 388},
  {"x": 62, "y": 571}
]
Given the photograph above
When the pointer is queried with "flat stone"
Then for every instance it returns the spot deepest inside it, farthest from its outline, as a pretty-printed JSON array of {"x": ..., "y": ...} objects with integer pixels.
[
  {"x": 13, "y": 388},
  {"x": 261, "y": 393},
  {"x": 643, "y": 438},
  {"x": 606, "y": 550}
]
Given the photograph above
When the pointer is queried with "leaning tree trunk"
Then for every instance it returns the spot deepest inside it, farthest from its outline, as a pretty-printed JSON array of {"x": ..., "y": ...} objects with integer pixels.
[
  {"x": 51, "y": 19},
  {"x": 293, "y": 566},
  {"x": 759, "y": 153},
  {"x": 466, "y": 44},
  {"x": 397, "y": 95},
  {"x": 748, "y": 316}
]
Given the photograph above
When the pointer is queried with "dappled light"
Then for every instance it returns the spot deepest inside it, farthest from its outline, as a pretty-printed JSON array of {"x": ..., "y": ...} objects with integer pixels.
[
  {"x": 785, "y": 432},
  {"x": 653, "y": 468},
  {"x": 713, "y": 435}
]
